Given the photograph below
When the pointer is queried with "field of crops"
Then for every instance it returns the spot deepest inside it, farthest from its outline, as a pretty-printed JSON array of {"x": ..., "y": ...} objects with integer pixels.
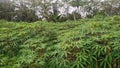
[{"x": 86, "y": 43}]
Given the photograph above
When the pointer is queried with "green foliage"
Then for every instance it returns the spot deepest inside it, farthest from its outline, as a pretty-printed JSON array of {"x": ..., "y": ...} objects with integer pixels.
[
  {"x": 7, "y": 11},
  {"x": 87, "y": 43},
  {"x": 25, "y": 14}
]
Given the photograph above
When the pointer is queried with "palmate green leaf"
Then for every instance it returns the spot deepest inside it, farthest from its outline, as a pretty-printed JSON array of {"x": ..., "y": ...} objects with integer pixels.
[
  {"x": 107, "y": 61},
  {"x": 86, "y": 43}
]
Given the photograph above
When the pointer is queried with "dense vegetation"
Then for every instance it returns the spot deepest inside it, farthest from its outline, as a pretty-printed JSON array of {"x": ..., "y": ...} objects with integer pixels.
[
  {"x": 56, "y": 10},
  {"x": 86, "y": 43}
]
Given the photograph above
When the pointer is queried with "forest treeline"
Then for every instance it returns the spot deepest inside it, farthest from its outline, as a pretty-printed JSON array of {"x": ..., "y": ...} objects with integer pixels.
[{"x": 57, "y": 11}]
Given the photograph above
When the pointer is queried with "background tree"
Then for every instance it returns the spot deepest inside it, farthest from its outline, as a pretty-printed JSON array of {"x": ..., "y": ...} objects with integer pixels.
[
  {"x": 7, "y": 11},
  {"x": 111, "y": 7},
  {"x": 25, "y": 12}
]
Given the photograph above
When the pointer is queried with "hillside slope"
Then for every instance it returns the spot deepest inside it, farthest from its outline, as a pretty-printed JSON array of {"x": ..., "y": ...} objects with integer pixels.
[{"x": 87, "y": 43}]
